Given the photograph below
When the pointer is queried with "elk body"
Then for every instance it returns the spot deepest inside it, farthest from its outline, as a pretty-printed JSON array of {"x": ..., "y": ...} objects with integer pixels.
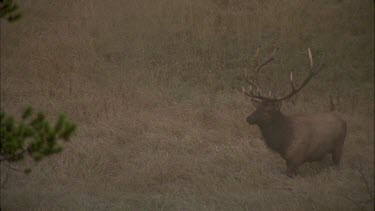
[{"x": 297, "y": 138}]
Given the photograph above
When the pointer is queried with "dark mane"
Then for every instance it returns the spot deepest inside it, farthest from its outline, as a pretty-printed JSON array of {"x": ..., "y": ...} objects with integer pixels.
[{"x": 277, "y": 132}]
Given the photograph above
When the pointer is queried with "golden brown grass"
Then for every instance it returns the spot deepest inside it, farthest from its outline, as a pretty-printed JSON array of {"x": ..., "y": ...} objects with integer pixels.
[{"x": 153, "y": 86}]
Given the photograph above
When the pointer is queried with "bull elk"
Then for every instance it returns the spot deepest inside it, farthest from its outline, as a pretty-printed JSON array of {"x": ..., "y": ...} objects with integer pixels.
[{"x": 297, "y": 138}]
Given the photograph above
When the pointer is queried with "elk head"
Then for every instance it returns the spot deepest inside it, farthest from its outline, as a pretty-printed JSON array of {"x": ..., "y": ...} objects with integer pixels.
[
  {"x": 265, "y": 111},
  {"x": 268, "y": 108}
]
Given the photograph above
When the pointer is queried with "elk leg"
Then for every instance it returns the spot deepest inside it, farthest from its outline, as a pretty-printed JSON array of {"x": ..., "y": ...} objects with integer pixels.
[
  {"x": 291, "y": 170},
  {"x": 337, "y": 153}
]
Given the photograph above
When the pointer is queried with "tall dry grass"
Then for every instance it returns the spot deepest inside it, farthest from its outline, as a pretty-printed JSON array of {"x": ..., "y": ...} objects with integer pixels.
[{"x": 154, "y": 87}]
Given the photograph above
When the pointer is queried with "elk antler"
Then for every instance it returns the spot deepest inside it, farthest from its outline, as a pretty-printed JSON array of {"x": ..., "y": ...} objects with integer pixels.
[
  {"x": 313, "y": 71},
  {"x": 258, "y": 66}
]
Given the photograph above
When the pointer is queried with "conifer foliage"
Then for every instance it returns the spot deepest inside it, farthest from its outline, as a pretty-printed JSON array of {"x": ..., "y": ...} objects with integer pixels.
[
  {"x": 9, "y": 10},
  {"x": 32, "y": 136}
]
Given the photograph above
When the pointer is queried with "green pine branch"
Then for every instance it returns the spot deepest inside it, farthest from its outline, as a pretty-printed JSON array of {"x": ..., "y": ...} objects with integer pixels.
[
  {"x": 9, "y": 11},
  {"x": 33, "y": 136}
]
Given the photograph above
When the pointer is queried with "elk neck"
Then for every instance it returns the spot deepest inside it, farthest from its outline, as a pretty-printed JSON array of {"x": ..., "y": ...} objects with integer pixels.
[{"x": 277, "y": 132}]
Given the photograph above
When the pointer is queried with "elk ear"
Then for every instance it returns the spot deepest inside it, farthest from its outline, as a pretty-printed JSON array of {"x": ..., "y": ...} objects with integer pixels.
[
  {"x": 256, "y": 102},
  {"x": 277, "y": 105}
]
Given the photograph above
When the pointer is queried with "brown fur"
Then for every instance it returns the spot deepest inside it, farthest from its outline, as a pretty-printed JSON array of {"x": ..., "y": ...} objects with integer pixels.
[{"x": 299, "y": 138}]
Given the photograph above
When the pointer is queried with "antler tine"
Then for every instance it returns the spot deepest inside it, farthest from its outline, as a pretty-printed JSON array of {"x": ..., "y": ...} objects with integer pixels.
[
  {"x": 258, "y": 66},
  {"x": 291, "y": 81},
  {"x": 256, "y": 57},
  {"x": 246, "y": 93},
  {"x": 311, "y": 59},
  {"x": 312, "y": 66},
  {"x": 312, "y": 73},
  {"x": 252, "y": 84},
  {"x": 251, "y": 94}
]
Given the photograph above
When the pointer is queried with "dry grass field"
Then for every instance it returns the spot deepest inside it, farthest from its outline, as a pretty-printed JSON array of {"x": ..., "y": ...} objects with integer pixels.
[{"x": 154, "y": 87}]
